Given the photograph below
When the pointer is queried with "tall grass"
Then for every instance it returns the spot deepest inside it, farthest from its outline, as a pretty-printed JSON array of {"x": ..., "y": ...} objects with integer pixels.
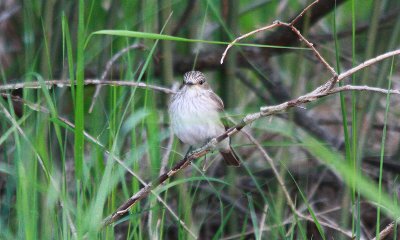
[{"x": 59, "y": 180}]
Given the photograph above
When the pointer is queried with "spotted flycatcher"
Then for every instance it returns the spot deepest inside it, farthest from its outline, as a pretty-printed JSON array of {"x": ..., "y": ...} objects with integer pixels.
[{"x": 195, "y": 115}]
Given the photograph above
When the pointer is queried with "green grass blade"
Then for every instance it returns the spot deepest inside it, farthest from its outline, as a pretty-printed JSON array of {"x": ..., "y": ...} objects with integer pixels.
[
  {"x": 70, "y": 55},
  {"x": 157, "y": 36},
  {"x": 253, "y": 217},
  {"x": 314, "y": 217},
  {"x": 383, "y": 141},
  {"x": 79, "y": 101},
  {"x": 366, "y": 186}
]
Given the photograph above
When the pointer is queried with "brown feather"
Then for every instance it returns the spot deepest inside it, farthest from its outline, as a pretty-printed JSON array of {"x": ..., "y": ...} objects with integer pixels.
[
  {"x": 230, "y": 158},
  {"x": 217, "y": 100}
]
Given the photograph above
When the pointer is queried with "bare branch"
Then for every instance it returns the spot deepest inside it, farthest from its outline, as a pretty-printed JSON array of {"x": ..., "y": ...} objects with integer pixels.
[
  {"x": 63, "y": 83},
  {"x": 363, "y": 88},
  {"x": 294, "y": 29},
  {"x": 264, "y": 111},
  {"x": 245, "y": 36},
  {"x": 368, "y": 63},
  {"x": 310, "y": 45}
]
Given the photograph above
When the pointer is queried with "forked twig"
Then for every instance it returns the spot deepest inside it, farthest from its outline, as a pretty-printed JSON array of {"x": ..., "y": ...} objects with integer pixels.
[
  {"x": 295, "y": 30},
  {"x": 245, "y": 36},
  {"x": 264, "y": 111}
]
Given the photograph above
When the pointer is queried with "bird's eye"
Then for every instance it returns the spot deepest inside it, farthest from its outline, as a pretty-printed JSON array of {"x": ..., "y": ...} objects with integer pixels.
[{"x": 201, "y": 82}]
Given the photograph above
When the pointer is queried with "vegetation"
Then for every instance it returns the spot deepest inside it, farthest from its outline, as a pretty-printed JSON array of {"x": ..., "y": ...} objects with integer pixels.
[{"x": 88, "y": 127}]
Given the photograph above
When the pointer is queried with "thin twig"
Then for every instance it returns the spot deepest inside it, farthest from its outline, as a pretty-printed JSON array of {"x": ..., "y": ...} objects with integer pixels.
[
  {"x": 274, "y": 170},
  {"x": 293, "y": 22},
  {"x": 388, "y": 230},
  {"x": 310, "y": 45},
  {"x": 63, "y": 83},
  {"x": 294, "y": 29},
  {"x": 368, "y": 63},
  {"x": 283, "y": 186},
  {"x": 245, "y": 36},
  {"x": 363, "y": 88},
  {"x": 325, "y": 224},
  {"x": 108, "y": 67}
]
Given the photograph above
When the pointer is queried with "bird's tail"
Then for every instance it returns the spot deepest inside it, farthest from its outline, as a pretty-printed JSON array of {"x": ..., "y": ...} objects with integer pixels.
[{"x": 230, "y": 157}]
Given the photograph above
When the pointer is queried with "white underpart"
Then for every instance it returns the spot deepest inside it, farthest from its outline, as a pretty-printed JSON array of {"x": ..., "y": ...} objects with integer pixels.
[{"x": 195, "y": 118}]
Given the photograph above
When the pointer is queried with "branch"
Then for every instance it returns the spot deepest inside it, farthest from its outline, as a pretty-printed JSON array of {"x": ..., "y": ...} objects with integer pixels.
[
  {"x": 368, "y": 63},
  {"x": 292, "y": 27},
  {"x": 63, "y": 83},
  {"x": 264, "y": 111},
  {"x": 281, "y": 37}
]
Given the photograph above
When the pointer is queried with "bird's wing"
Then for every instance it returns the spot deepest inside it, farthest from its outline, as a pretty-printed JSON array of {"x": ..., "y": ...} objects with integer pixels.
[
  {"x": 220, "y": 107},
  {"x": 217, "y": 100}
]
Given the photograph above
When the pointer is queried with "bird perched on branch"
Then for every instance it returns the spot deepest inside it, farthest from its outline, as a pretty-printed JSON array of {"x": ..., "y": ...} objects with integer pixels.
[{"x": 195, "y": 115}]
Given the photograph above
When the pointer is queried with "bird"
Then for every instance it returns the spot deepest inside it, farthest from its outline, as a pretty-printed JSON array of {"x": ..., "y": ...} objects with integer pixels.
[{"x": 195, "y": 112}]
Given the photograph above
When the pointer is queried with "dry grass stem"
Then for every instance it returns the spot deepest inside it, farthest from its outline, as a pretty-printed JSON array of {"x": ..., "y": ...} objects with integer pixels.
[{"x": 387, "y": 230}]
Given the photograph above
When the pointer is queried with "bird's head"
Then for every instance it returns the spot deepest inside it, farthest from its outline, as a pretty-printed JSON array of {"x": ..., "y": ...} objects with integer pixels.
[{"x": 194, "y": 78}]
